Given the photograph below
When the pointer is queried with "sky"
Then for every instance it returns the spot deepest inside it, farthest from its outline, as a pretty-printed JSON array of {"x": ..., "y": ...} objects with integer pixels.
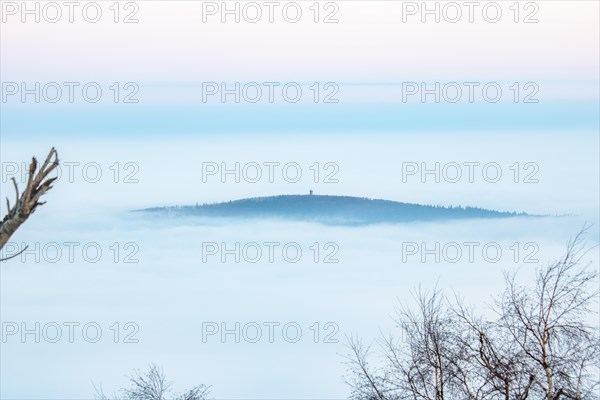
[
  {"x": 369, "y": 43},
  {"x": 169, "y": 51}
]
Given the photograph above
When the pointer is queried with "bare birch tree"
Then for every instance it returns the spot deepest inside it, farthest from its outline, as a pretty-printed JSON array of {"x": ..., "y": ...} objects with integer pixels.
[
  {"x": 153, "y": 385},
  {"x": 542, "y": 342}
]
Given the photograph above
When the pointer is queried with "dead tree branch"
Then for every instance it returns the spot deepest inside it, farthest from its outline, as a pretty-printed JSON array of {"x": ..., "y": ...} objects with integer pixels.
[{"x": 27, "y": 202}]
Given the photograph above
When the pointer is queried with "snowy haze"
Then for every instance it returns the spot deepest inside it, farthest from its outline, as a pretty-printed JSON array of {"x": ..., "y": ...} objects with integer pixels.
[
  {"x": 158, "y": 281},
  {"x": 170, "y": 172},
  {"x": 175, "y": 287}
]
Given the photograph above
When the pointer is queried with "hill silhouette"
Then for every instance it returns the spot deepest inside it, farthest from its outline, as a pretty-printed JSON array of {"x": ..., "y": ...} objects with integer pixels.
[{"x": 336, "y": 210}]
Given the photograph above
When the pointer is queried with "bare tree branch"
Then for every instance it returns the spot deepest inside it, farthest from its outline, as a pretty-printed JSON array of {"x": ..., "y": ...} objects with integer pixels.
[
  {"x": 27, "y": 202},
  {"x": 539, "y": 344},
  {"x": 153, "y": 385}
]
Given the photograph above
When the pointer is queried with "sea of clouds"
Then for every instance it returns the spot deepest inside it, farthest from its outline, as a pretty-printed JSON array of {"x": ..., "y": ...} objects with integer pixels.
[{"x": 155, "y": 278}]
